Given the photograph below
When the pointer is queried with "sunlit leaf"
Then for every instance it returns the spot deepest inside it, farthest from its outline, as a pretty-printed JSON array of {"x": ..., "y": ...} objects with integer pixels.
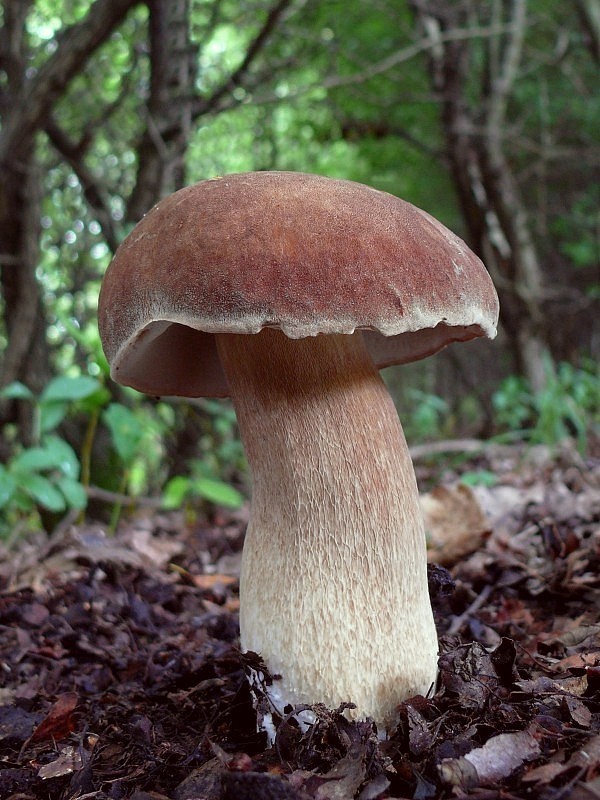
[
  {"x": 126, "y": 430},
  {"x": 217, "y": 492},
  {"x": 36, "y": 459},
  {"x": 70, "y": 388},
  {"x": 51, "y": 415},
  {"x": 45, "y": 493},
  {"x": 16, "y": 391},
  {"x": 175, "y": 491},
  {"x": 73, "y": 492},
  {"x": 65, "y": 456}
]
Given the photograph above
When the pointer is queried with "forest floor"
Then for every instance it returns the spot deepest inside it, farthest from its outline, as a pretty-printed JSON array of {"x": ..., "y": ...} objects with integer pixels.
[{"x": 121, "y": 675}]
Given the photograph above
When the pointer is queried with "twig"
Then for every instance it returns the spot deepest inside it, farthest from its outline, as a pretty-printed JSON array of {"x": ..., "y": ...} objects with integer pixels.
[
  {"x": 106, "y": 496},
  {"x": 459, "y": 621},
  {"x": 449, "y": 446}
]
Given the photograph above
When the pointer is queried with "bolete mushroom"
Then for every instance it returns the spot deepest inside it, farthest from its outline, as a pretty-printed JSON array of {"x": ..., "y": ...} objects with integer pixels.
[{"x": 288, "y": 292}]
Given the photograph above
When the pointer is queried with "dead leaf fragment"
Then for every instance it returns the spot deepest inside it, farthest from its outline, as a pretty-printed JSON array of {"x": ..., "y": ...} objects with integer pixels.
[
  {"x": 455, "y": 523},
  {"x": 499, "y": 757},
  {"x": 69, "y": 761},
  {"x": 210, "y": 581},
  {"x": 58, "y": 723}
]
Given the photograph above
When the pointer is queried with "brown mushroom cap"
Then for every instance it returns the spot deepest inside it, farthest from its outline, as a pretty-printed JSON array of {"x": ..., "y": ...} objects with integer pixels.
[{"x": 304, "y": 253}]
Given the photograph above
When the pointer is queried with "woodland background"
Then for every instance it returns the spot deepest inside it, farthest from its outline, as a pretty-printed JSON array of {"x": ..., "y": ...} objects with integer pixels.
[{"x": 486, "y": 114}]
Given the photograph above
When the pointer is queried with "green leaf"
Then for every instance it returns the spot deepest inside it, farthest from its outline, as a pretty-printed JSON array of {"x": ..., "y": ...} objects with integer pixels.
[
  {"x": 67, "y": 388},
  {"x": 64, "y": 455},
  {"x": 45, "y": 493},
  {"x": 8, "y": 486},
  {"x": 73, "y": 492},
  {"x": 51, "y": 415},
  {"x": 16, "y": 391},
  {"x": 96, "y": 400},
  {"x": 481, "y": 477},
  {"x": 54, "y": 453},
  {"x": 175, "y": 491},
  {"x": 217, "y": 492},
  {"x": 125, "y": 429},
  {"x": 35, "y": 459}
]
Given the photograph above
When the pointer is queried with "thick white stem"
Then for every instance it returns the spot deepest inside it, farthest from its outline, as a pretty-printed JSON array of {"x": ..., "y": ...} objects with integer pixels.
[{"x": 334, "y": 585}]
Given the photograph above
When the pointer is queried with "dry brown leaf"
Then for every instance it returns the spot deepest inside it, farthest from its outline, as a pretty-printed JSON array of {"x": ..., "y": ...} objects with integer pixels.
[
  {"x": 579, "y": 713},
  {"x": 210, "y": 581},
  {"x": 59, "y": 722},
  {"x": 544, "y": 773},
  {"x": 499, "y": 757},
  {"x": 69, "y": 761},
  {"x": 455, "y": 523}
]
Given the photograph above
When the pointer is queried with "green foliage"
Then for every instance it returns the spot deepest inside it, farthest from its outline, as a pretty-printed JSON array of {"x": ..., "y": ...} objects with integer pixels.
[
  {"x": 569, "y": 406},
  {"x": 427, "y": 417},
  {"x": 47, "y": 474},
  {"x": 221, "y": 458},
  {"x": 480, "y": 477},
  {"x": 185, "y": 487}
]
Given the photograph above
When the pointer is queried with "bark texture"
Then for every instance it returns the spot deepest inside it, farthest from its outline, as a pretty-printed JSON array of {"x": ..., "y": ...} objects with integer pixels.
[
  {"x": 25, "y": 103},
  {"x": 474, "y": 100}
]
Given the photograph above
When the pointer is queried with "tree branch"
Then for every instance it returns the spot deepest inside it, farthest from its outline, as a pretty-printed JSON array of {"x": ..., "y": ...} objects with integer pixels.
[
  {"x": 75, "y": 47},
  {"x": 589, "y": 13},
  {"x": 424, "y": 45},
  {"x": 94, "y": 195},
  {"x": 237, "y": 77},
  {"x": 503, "y": 79}
]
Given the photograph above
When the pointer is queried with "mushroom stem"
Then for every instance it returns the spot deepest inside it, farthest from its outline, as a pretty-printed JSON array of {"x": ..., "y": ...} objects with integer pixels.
[{"x": 333, "y": 589}]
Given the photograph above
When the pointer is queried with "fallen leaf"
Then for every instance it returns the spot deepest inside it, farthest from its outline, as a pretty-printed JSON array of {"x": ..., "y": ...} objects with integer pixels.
[
  {"x": 58, "y": 722},
  {"x": 578, "y": 711},
  {"x": 499, "y": 757},
  {"x": 345, "y": 777},
  {"x": 544, "y": 773},
  {"x": 455, "y": 523},
  {"x": 69, "y": 761},
  {"x": 210, "y": 581}
]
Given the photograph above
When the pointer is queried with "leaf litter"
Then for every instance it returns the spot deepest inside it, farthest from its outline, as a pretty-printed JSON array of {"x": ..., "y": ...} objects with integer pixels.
[{"x": 121, "y": 675}]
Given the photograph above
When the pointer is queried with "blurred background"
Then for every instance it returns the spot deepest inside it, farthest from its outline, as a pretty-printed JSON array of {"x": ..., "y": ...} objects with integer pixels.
[{"x": 486, "y": 114}]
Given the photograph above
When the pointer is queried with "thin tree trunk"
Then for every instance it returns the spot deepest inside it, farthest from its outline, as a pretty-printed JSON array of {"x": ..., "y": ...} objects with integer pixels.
[
  {"x": 26, "y": 99},
  {"x": 165, "y": 138},
  {"x": 489, "y": 195}
]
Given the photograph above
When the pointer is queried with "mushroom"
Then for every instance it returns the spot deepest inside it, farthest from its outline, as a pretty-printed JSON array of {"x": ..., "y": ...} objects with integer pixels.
[{"x": 289, "y": 292}]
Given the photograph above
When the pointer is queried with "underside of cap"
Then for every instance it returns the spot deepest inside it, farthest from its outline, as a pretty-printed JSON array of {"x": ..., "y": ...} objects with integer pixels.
[{"x": 303, "y": 253}]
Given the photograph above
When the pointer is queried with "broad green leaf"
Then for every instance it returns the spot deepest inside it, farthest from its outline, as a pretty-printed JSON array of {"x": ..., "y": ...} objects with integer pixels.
[
  {"x": 218, "y": 492},
  {"x": 16, "y": 391},
  {"x": 36, "y": 459},
  {"x": 175, "y": 491},
  {"x": 65, "y": 456},
  {"x": 73, "y": 491},
  {"x": 480, "y": 477},
  {"x": 52, "y": 414},
  {"x": 126, "y": 430},
  {"x": 8, "y": 486},
  {"x": 55, "y": 453},
  {"x": 69, "y": 388},
  {"x": 96, "y": 400},
  {"x": 45, "y": 493}
]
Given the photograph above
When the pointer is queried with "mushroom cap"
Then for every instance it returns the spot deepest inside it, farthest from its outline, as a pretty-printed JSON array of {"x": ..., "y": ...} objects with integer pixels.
[{"x": 307, "y": 254}]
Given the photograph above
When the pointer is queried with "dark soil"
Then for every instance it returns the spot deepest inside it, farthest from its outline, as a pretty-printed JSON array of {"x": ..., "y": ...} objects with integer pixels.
[{"x": 121, "y": 675}]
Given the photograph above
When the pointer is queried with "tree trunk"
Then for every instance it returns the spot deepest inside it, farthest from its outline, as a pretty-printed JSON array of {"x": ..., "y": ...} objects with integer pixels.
[
  {"x": 473, "y": 118},
  {"x": 26, "y": 99},
  {"x": 165, "y": 138}
]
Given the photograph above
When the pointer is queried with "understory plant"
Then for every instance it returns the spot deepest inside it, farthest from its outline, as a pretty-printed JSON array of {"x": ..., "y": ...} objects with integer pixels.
[
  {"x": 48, "y": 477},
  {"x": 568, "y": 406},
  {"x": 47, "y": 474}
]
